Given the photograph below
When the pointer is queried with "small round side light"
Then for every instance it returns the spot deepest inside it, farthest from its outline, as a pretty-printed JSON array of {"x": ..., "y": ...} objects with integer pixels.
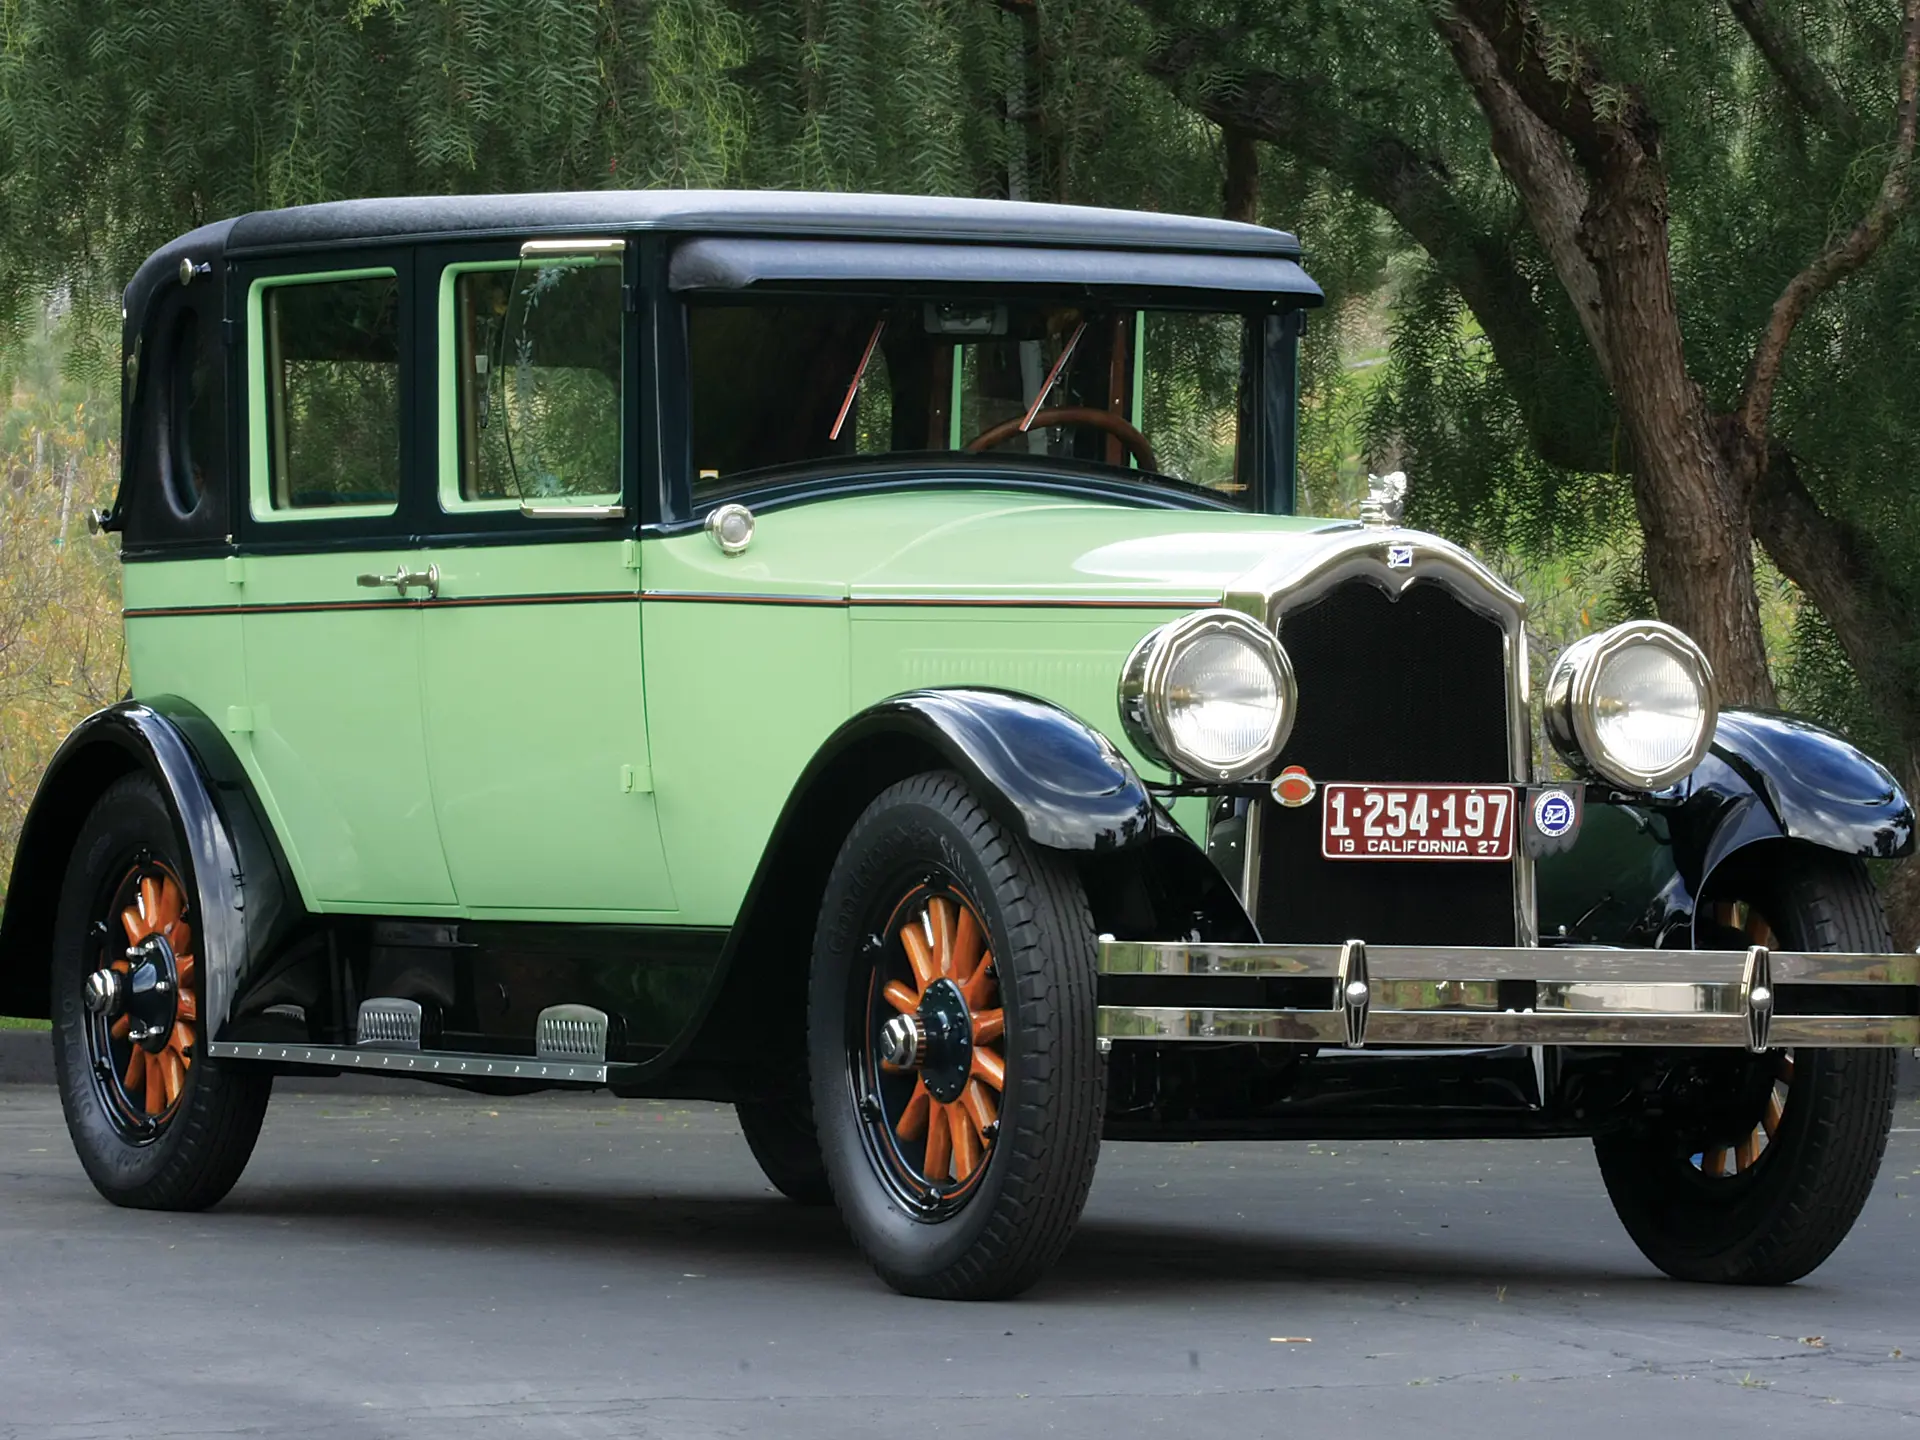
[{"x": 731, "y": 526}]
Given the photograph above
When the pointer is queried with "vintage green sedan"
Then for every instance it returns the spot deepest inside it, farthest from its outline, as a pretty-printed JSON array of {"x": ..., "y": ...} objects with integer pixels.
[{"x": 857, "y": 658}]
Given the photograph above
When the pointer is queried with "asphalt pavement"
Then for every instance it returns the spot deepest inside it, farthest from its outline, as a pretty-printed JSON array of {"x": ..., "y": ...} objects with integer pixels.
[{"x": 434, "y": 1265}]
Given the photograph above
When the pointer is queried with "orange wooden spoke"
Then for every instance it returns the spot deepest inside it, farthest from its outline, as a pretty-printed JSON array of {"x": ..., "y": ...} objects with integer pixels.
[
  {"x": 966, "y": 1144},
  {"x": 939, "y": 1145},
  {"x": 913, "y": 1119},
  {"x": 150, "y": 901},
  {"x": 173, "y": 1074},
  {"x": 926, "y": 966},
  {"x": 122, "y": 1026},
  {"x": 980, "y": 1107},
  {"x": 1786, "y": 1066},
  {"x": 901, "y": 998},
  {"x": 135, "y": 927},
  {"x": 1760, "y": 932},
  {"x": 156, "y": 1085},
  {"x": 136, "y": 1075},
  {"x": 170, "y": 904},
  {"x": 1746, "y": 1153},
  {"x": 182, "y": 1038},
  {"x": 940, "y": 917},
  {"x": 180, "y": 937},
  {"x": 967, "y": 944},
  {"x": 1771, "y": 1122},
  {"x": 990, "y": 1068},
  {"x": 187, "y": 966},
  {"x": 1714, "y": 1162},
  {"x": 989, "y": 1026},
  {"x": 979, "y": 988},
  {"x": 188, "y": 1007}
]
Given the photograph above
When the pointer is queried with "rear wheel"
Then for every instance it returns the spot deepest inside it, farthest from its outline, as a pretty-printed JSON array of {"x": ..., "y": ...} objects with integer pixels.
[
  {"x": 1759, "y": 1173},
  {"x": 154, "y": 1125},
  {"x": 956, "y": 1080},
  {"x": 781, "y": 1136}
]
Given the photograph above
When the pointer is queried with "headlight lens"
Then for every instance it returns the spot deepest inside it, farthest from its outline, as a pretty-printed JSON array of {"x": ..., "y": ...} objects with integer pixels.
[
  {"x": 1210, "y": 695},
  {"x": 1634, "y": 705}
]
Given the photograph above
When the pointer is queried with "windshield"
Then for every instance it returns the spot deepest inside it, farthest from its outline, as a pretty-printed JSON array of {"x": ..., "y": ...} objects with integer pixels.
[{"x": 1162, "y": 395}]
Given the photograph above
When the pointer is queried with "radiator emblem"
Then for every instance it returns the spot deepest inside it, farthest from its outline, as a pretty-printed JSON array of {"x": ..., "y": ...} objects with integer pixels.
[
  {"x": 1553, "y": 813},
  {"x": 1399, "y": 557},
  {"x": 1293, "y": 787}
]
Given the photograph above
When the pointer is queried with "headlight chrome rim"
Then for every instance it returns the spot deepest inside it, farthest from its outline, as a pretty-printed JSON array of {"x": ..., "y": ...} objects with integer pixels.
[
  {"x": 1143, "y": 693},
  {"x": 1572, "y": 696}
]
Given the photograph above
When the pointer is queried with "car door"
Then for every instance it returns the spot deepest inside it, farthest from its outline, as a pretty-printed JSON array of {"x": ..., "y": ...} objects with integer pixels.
[
  {"x": 535, "y": 711},
  {"x": 330, "y": 587}
]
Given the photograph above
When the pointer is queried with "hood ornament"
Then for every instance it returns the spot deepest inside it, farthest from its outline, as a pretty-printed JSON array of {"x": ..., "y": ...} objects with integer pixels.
[{"x": 1386, "y": 500}]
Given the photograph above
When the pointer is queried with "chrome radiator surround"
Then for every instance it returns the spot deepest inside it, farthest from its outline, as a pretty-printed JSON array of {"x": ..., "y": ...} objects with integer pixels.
[{"x": 1436, "y": 995}]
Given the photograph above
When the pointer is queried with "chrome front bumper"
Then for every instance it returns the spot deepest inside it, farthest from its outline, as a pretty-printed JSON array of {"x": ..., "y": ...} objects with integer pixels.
[{"x": 1355, "y": 995}]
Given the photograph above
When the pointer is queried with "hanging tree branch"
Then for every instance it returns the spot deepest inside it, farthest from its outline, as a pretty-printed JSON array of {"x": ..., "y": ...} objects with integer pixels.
[
  {"x": 1845, "y": 255},
  {"x": 1797, "y": 71}
]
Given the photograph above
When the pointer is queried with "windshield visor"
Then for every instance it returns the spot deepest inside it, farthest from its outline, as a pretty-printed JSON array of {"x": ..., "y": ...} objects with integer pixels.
[{"x": 1167, "y": 397}]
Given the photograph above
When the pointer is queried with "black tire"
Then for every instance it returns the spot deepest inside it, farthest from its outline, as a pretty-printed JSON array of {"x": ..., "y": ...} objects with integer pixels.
[
  {"x": 190, "y": 1157},
  {"x": 993, "y": 1231},
  {"x": 1779, "y": 1220},
  {"x": 781, "y": 1136}
]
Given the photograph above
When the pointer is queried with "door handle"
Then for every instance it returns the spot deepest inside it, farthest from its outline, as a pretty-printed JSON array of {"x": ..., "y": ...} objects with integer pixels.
[{"x": 404, "y": 580}]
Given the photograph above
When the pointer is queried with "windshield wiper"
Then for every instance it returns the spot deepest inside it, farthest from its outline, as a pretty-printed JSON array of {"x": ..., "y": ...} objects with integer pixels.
[
  {"x": 1053, "y": 377},
  {"x": 866, "y": 359}
]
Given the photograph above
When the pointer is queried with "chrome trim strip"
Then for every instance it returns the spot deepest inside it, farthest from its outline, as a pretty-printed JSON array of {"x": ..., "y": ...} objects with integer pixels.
[
  {"x": 1441, "y": 1027},
  {"x": 1411, "y": 995},
  {"x": 424, "y": 1063},
  {"x": 1547, "y": 964}
]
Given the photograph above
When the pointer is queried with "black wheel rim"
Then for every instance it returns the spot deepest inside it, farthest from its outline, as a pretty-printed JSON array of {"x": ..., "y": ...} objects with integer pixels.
[
  {"x": 929, "y": 1126},
  {"x": 142, "y": 999}
]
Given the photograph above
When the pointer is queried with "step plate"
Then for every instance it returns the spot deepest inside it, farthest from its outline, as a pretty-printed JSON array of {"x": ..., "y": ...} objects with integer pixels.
[
  {"x": 424, "y": 1063},
  {"x": 389, "y": 1023},
  {"x": 571, "y": 1034}
]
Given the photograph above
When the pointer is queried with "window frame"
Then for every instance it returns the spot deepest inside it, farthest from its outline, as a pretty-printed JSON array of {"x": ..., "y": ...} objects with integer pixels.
[
  {"x": 260, "y": 507},
  {"x": 448, "y": 378}
]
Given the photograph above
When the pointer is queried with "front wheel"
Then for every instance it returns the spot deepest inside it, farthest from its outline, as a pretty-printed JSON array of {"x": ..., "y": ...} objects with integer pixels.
[
  {"x": 956, "y": 1080},
  {"x": 1759, "y": 1171}
]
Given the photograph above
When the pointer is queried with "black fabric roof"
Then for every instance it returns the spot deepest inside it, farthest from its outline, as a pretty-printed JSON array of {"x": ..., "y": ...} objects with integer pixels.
[{"x": 769, "y": 213}]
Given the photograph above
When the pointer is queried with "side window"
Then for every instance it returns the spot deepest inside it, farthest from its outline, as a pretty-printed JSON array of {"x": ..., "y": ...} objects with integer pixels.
[
  {"x": 530, "y": 403},
  {"x": 193, "y": 414},
  {"x": 327, "y": 395}
]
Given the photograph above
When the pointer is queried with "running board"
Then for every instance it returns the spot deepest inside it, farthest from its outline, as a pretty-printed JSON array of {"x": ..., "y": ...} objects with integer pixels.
[{"x": 424, "y": 1064}]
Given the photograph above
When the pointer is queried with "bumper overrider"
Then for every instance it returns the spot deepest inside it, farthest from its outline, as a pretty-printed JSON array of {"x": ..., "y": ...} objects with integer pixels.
[{"x": 1355, "y": 995}]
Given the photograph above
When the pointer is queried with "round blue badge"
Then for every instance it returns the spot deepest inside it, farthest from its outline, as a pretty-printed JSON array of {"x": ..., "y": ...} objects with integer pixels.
[{"x": 1553, "y": 813}]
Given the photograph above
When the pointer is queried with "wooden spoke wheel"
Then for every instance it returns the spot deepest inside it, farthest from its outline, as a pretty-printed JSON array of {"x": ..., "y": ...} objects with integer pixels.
[
  {"x": 1742, "y": 1152},
  {"x": 1754, "y": 1167},
  {"x": 956, "y": 1082},
  {"x": 142, "y": 999},
  {"x": 931, "y": 1053}
]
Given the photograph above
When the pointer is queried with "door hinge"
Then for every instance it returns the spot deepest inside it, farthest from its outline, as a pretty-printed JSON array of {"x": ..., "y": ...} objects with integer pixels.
[
  {"x": 240, "y": 719},
  {"x": 636, "y": 779},
  {"x": 236, "y": 570},
  {"x": 630, "y": 554}
]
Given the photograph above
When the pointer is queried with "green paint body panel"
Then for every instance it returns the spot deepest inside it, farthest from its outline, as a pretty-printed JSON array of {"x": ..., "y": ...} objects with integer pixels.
[{"x": 623, "y": 754}]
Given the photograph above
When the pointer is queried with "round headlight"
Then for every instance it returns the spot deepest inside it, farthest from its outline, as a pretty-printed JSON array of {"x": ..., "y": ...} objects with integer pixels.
[
  {"x": 1210, "y": 695},
  {"x": 1634, "y": 705}
]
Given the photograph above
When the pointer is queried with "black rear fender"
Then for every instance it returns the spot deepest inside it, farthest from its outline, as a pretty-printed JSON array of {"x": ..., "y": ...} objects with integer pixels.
[{"x": 245, "y": 902}]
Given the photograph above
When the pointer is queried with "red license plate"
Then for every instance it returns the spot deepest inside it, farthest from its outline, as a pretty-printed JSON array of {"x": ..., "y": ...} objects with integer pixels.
[{"x": 1416, "y": 822}]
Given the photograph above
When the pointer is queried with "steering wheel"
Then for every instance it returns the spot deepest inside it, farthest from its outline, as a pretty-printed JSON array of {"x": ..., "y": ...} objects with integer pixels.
[{"x": 1105, "y": 420}]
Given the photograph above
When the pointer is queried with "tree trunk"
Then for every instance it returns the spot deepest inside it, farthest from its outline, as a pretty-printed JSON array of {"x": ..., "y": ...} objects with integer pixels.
[
  {"x": 1240, "y": 196},
  {"x": 1690, "y": 494}
]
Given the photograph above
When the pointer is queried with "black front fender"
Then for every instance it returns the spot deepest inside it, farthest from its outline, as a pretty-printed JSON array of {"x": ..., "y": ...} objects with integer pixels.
[
  {"x": 1772, "y": 777},
  {"x": 1059, "y": 781},
  {"x": 244, "y": 900},
  {"x": 1639, "y": 870}
]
